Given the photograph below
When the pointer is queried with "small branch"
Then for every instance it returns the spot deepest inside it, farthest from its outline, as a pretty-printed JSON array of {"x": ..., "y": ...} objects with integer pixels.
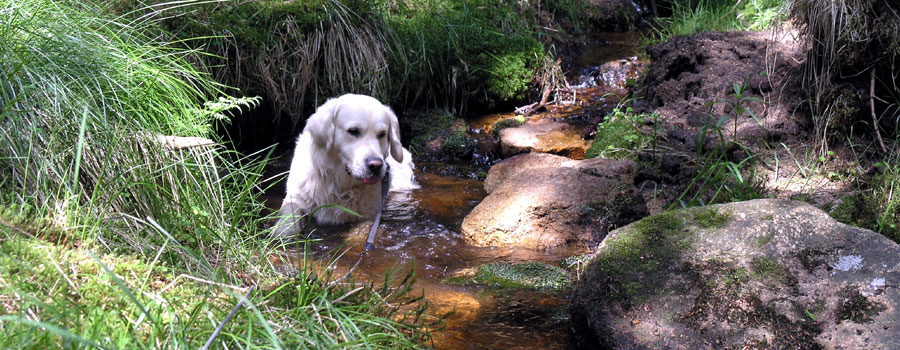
[
  {"x": 874, "y": 118},
  {"x": 527, "y": 110},
  {"x": 228, "y": 318}
]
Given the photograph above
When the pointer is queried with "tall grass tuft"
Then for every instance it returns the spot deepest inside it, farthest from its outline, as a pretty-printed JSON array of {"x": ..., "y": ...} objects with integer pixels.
[
  {"x": 852, "y": 42},
  {"x": 695, "y": 16},
  {"x": 296, "y": 53},
  {"x": 114, "y": 236}
]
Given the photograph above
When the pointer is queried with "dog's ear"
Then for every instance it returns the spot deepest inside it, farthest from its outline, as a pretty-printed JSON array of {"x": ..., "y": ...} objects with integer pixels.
[
  {"x": 394, "y": 137},
  {"x": 320, "y": 125}
]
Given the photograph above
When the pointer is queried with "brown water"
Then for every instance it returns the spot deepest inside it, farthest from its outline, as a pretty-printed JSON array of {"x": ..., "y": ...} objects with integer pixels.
[{"x": 423, "y": 226}]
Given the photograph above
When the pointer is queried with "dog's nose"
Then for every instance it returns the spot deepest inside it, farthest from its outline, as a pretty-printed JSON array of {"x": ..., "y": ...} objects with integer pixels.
[{"x": 374, "y": 164}]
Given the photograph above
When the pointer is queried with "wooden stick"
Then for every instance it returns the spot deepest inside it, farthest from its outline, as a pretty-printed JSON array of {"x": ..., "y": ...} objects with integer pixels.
[
  {"x": 228, "y": 318},
  {"x": 874, "y": 118}
]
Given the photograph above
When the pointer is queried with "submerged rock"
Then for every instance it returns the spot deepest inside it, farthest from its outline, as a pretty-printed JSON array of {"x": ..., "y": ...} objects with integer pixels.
[
  {"x": 539, "y": 200},
  {"x": 543, "y": 135},
  {"x": 772, "y": 274}
]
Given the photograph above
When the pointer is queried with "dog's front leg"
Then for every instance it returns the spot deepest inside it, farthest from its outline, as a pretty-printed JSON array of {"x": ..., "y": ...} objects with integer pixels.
[{"x": 290, "y": 218}]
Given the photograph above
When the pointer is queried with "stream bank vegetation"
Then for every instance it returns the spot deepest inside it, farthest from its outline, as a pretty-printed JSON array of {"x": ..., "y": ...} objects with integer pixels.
[
  {"x": 849, "y": 77},
  {"x": 450, "y": 55},
  {"x": 115, "y": 234}
]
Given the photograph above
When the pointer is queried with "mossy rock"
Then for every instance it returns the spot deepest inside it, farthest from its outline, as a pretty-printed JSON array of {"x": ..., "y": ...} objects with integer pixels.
[
  {"x": 765, "y": 273},
  {"x": 507, "y": 123},
  {"x": 439, "y": 135},
  {"x": 531, "y": 275}
]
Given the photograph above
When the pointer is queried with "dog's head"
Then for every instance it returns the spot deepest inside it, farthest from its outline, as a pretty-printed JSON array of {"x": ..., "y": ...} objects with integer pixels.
[{"x": 360, "y": 131}]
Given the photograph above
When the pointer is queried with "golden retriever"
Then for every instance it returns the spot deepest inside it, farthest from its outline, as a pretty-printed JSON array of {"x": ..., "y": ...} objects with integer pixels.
[{"x": 346, "y": 148}]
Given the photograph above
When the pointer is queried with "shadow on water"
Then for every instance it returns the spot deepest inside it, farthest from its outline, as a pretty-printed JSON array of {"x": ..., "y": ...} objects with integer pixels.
[{"x": 423, "y": 226}]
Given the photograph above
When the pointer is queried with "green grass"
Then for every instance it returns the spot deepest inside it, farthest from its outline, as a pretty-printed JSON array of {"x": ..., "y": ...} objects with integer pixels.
[
  {"x": 441, "y": 54},
  {"x": 696, "y": 16},
  {"x": 110, "y": 238}
]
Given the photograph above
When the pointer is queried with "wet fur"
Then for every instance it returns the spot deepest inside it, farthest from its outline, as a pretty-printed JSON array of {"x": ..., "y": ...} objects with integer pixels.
[{"x": 329, "y": 163}]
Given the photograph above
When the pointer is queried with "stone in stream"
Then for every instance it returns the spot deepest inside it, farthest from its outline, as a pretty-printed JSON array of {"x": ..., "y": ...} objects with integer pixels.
[
  {"x": 539, "y": 200},
  {"x": 761, "y": 274},
  {"x": 543, "y": 135}
]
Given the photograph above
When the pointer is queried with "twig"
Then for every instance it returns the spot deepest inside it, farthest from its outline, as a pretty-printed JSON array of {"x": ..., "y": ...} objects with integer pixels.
[
  {"x": 228, "y": 318},
  {"x": 528, "y": 109},
  {"x": 874, "y": 118}
]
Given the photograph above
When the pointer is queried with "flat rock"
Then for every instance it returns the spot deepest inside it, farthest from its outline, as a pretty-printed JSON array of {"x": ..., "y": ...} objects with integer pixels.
[
  {"x": 540, "y": 200},
  {"x": 761, "y": 274},
  {"x": 545, "y": 136}
]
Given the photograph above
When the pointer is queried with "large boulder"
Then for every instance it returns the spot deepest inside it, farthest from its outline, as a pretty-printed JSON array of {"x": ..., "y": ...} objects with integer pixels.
[
  {"x": 762, "y": 274},
  {"x": 541, "y": 200}
]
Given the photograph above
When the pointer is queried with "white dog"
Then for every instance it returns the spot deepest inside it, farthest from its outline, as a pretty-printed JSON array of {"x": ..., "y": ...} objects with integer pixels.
[{"x": 347, "y": 146}]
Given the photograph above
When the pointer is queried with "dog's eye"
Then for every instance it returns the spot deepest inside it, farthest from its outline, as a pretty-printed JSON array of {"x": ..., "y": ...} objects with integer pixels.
[
  {"x": 353, "y": 131},
  {"x": 382, "y": 134}
]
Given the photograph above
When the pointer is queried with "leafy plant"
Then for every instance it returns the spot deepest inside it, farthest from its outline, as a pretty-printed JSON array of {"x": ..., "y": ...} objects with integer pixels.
[
  {"x": 716, "y": 177},
  {"x": 620, "y": 134}
]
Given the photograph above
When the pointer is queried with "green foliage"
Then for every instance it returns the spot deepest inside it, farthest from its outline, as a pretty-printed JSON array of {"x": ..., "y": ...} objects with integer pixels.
[
  {"x": 873, "y": 206},
  {"x": 459, "y": 50},
  {"x": 717, "y": 178},
  {"x": 111, "y": 236},
  {"x": 412, "y": 53},
  {"x": 294, "y": 53},
  {"x": 620, "y": 135},
  {"x": 696, "y": 16}
]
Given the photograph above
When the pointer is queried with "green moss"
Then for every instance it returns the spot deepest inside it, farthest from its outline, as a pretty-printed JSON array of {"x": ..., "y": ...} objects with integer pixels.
[
  {"x": 507, "y": 123},
  {"x": 533, "y": 275},
  {"x": 858, "y": 210},
  {"x": 640, "y": 255},
  {"x": 767, "y": 217},
  {"x": 711, "y": 218},
  {"x": 763, "y": 240},
  {"x": 856, "y": 307},
  {"x": 618, "y": 135},
  {"x": 440, "y": 125},
  {"x": 770, "y": 269}
]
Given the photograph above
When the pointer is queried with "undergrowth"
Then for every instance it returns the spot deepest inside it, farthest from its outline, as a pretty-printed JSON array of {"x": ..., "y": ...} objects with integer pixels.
[
  {"x": 444, "y": 54},
  {"x": 621, "y": 135},
  {"x": 696, "y": 16},
  {"x": 112, "y": 236}
]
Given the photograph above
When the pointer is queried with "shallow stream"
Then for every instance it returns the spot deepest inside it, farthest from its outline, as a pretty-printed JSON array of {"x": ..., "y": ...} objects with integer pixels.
[{"x": 423, "y": 227}]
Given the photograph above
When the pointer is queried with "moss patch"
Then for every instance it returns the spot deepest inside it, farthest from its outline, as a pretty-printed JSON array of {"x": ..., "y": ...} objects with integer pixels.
[
  {"x": 638, "y": 257},
  {"x": 857, "y": 210},
  {"x": 711, "y": 218},
  {"x": 439, "y": 131},
  {"x": 507, "y": 123},
  {"x": 856, "y": 307},
  {"x": 532, "y": 275},
  {"x": 770, "y": 269}
]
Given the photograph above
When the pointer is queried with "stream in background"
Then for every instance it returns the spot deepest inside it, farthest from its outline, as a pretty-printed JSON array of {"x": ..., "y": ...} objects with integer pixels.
[{"x": 423, "y": 226}]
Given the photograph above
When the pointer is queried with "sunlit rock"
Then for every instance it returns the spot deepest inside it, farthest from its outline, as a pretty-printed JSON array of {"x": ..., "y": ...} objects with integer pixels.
[{"x": 539, "y": 200}]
